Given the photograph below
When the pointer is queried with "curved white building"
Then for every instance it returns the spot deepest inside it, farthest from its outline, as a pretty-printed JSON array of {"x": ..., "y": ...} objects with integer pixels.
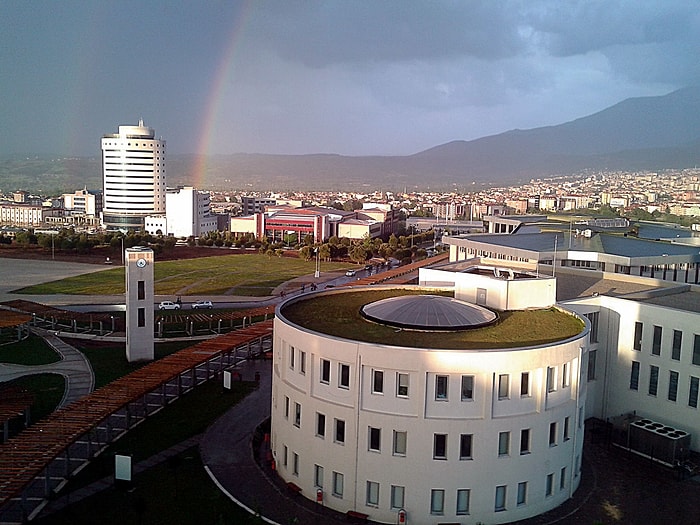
[
  {"x": 133, "y": 171},
  {"x": 447, "y": 424}
]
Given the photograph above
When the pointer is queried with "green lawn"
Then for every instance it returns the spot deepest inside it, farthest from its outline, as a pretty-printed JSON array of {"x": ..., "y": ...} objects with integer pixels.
[
  {"x": 30, "y": 351},
  {"x": 248, "y": 274}
]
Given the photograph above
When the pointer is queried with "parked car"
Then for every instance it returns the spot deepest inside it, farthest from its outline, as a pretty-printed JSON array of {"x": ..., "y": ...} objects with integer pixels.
[
  {"x": 351, "y": 273},
  {"x": 202, "y": 304},
  {"x": 168, "y": 305}
]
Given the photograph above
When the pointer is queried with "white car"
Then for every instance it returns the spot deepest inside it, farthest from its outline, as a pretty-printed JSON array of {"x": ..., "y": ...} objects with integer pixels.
[
  {"x": 168, "y": 305},
  {"x": 202, "y": 304},
  {"x": 351, "y": 273}
]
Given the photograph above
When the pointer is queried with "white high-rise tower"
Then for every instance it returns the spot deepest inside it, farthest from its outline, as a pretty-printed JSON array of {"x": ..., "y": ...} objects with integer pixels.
[{"x": 133, "y": 174}]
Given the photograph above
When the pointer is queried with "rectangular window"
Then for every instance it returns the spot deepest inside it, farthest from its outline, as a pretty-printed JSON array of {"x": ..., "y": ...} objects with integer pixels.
[
  {"x": 562, "y": 479},
  {"x": 397, "y": 496},
  {"x": 462, "y": 502},
  {"x": 656, "y": 342},
  {"x": 399, "y": 443},
  {"x": 401, "y": 384},
  {"x": 672, "y": 385},
  {"x": 297, "y": 414},
  {"x": 295, "y": 464},
  {"x": 592, "y": 358},
  {"x": 437, "y": 502},
  {"x": 141, "y": 317},
  {"x": 525, "y": 384},
  {"x": 320, "y": 424},
  {"x": 593, "y": 318},
  {"x": 465, "y": 446},
  {"x": 549, "y": 485},
  {"x": 286, "y": 407},
  {"x": 552, "y": 433},
  {"x": 653, "y": 380},
  {"x": 525, "y": 441},
  {"x": 339, "y": 431},
  {"x": 500, "y": 502},
  {"x": 677, "y": 341},
  {"x": 377, "y": 382},
  {"x": 338, "y": 484},
  {"x": 637, "y": 342},
  {"x": 302, "y": 362},
  {"x": 372, "y": 493},
  {"x": 375, "y": 439},
  {"x": 467, "y": 388},
  {"x": 503, "y": 386},
  {"x": 292, "y": 353},
  {"x": 696, "y": 350},
  {"x": 693, "y": 394},
  {"x": 439, "y": 446},
  {"x": 141, "y": 290},
  {"x": 522, "y": 493},
  {"x": 325, "y": 371},
  {"x": 285, "y": 455},
  {"x": 565, "y": 375},
  {"x": 318, "y": 476},
  {"x": 503, "y": 443},
  {"x": 634, "y": 376},
  {"x": 551, "y": 379},
  {"x": 344, "y": 376},
  {"x": 440, "y": 387},
  {"x": 566, "y": 429}
]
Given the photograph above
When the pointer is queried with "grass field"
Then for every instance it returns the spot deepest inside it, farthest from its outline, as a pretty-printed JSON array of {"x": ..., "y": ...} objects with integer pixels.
[
  {"x": 248, "y": 274},
  {"x": 30, "y": 351}
]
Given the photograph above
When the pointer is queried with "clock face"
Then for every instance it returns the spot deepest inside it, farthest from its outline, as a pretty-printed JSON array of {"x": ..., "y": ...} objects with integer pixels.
[{"x": 141, "y": 263}]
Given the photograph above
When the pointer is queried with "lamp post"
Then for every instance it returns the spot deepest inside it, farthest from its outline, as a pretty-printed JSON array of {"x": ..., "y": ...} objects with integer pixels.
[{"x": 317, "y": 273}]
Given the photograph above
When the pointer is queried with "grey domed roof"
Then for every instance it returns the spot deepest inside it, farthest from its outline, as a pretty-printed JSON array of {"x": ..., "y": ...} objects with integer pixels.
[{"x": 428, "y": 312}]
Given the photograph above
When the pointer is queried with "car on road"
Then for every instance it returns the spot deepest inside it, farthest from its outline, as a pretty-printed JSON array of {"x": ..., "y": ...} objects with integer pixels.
[
  {"x": 202, "y": 304},
  {"x": 168, "y": 305},
  {"x": 351, "y": 273}
]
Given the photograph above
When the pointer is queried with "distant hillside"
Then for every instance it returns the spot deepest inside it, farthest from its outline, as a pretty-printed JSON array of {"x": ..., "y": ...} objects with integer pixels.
[{"x": 635, "y": 134}]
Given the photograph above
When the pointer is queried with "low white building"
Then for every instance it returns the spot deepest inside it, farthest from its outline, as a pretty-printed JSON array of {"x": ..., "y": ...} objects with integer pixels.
[{"x": 188, "y": 213}]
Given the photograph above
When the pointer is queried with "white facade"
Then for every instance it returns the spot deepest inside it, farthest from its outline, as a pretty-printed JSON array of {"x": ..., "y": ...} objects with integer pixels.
[
  {"x": 139, "y": 303},
  {"x": 133, "y": 170},
  {"x": 21, "y": 214},
  {"x": 458, "y": 436},
  {"x": 188, "y": 212}
]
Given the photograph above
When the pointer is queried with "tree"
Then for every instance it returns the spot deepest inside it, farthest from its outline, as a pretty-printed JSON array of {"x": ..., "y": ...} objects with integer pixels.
[{"x": 358, "y": 254}]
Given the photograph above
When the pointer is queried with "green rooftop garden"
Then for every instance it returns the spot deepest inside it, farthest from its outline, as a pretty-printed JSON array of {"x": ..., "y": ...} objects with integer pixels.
[{"x": 338, "y": 314}]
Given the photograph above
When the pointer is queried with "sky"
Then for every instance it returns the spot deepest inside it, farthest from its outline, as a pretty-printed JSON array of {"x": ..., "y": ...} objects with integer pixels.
[{"x": 334, "y": 76}]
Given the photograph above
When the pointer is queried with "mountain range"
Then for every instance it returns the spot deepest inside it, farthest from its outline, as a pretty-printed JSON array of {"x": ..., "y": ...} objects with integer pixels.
[{"x": 645, "y": 133}]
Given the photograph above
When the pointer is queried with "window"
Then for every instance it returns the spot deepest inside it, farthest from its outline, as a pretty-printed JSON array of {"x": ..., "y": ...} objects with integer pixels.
[
  {"x": 592, "y": 358},
  {"x": 399, "y": 443},
  {"x": 503, "y": 386},
  {"x": 344, "y": 376},
  {"x": 339, "y": 431},
  {"x": 677, "y": 341},
  {"x": 372, "y": 493},
  {"x": 552, "y": 433},
  {"x": 377, "y": 382},
  {"x": 653, "y": 380},
  {"x": 562, "y": 479},
  {"x": 286, "y": 407},
  {"x": 141, "y": 290},
  {"x": 525, "y": 384},
  {"x": 549, "y": 485},
  {"x": 551, "y": 379},
  {"x": 465, "y": 446},
  {"x": 634, "y": 376},
  {"x": 318, "y": 476},
  {"x": 440, "y": 387},
  {"x": 500, "y": 502},
  {"x": 302, "y": 362},
  {"x": 522, "y": 493},
  {"x": 566, "y": 429},
  {"x": 141, "y": 317},
  {"x": 672, "y": 385},
  {"x": 467, "y": 388},
  {"x": 693, "y": 394},
  {"x": 503, "y": 443},
  {"x": 593, "y": 318},
  {"x": 292, "y": 353},
  {"x": 637, "y": 343},
  {"x": 325, "y": 371},
  {"x": 656, "y": 342},
  {"x": 437, "y": 502},
  {"x": 439, "y": 446},
  {"x": 338, "y": 484},
  {"x": 462, "y": 502},
  {"x": 397, "y": 496},
  {"x": 565, "y": 375},
  {"x": 295, "y": 464},
  {"x": 297, "y": 414},
  {"x": 320, "y": 424},
  {"x": 696, "y": 350},
  {"x": 285, "y": 454},
  {"x": 401, "y": 384},
  {"x": 375, "y": 439},
  {"x": 525, "y": 441}
]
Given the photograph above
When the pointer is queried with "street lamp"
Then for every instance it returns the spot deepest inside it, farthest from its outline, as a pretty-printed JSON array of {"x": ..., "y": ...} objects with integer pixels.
[{"x": 317, "y": 274}]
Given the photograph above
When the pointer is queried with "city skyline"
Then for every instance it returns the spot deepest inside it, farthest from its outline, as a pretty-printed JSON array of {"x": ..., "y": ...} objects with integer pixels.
[{"x": 328, "y": 77}]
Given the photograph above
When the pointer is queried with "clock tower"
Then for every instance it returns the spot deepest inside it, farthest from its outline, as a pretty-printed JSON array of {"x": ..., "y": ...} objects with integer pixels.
[{"x": 139, "y": 303}]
